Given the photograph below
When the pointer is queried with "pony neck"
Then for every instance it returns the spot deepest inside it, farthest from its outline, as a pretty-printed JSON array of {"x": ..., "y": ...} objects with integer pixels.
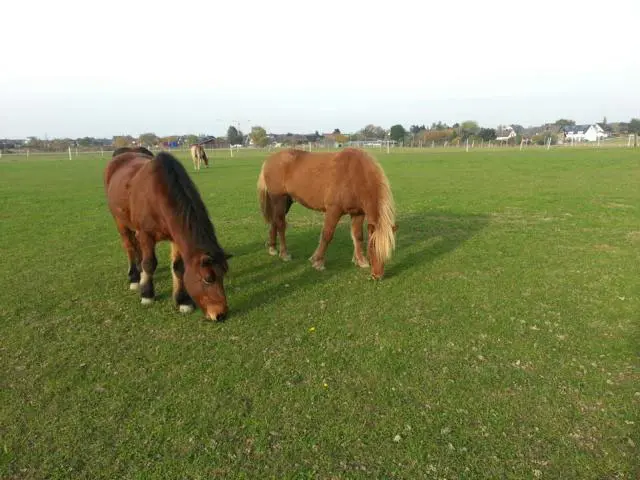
[{"x": 183, "y": 239}]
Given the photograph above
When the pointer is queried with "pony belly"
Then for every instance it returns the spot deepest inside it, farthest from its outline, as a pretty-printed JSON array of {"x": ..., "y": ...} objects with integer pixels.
[{"x": 312, "y": 202}]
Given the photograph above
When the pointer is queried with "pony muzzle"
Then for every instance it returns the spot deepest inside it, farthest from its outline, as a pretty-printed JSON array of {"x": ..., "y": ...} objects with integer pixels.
[{"x": 216, "y": 315}]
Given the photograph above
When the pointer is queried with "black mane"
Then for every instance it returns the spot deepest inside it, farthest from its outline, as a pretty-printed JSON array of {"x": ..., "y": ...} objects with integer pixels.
[{"x": 188, "y": 205}]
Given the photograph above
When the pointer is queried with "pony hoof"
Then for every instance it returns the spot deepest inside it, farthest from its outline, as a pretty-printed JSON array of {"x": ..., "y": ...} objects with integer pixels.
[
  {"x": 286, "y": 257},
  {"x": 317, "y": 265},
  {"x": 146, "y": 301},
  {"x": 361, "y": 263},
  {"x": 134, "y": 286},
  {"x": 272, "y": 251},
  {"x": 186, "y": 308}
]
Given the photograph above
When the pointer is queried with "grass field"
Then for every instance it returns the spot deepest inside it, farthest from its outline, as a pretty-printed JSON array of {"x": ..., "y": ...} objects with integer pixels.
[{"x": 503, "y": 342}]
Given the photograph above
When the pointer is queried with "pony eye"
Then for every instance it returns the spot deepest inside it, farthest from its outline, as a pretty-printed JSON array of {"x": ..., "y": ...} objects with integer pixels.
[{"x": 209, "y": 278}]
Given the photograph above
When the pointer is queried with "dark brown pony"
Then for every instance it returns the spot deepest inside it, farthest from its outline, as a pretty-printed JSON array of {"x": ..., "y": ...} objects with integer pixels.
[
  {"x": 153, "y": 199},
  {"x": 142, "y": 150},
  {"x": 347, "y": 182}
]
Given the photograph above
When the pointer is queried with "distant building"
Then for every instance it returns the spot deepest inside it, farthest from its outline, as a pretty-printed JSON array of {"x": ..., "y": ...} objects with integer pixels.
[
  {"x": 583, "y": 133},
  {"x": 505, "y": 134}
]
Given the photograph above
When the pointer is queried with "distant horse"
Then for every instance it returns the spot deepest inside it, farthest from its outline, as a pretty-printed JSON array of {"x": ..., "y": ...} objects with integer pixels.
[
  {"x": 151, "y": 200},
  {"x": 142, "y": 150},
  {"x": 198, "y": 155},
  {"x": 348, "y": 182}
]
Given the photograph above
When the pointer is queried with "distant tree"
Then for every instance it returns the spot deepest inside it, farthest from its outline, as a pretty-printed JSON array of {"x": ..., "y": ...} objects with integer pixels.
[
  {"x": 469, "y": 128},
  {"x": 519, "y": 129},
  {"x": 543, "y": 137},
  {"x": 397, "y": 133},
  {"x": 148, "y": 139},
  {"x": 623, "y": 127},
  {"x": 373, "y": 131},
  {"x": 340, "y": 138},
  {"x": 121, "y": 141},
  {"x": 234, "y": 137},
  {"x": 438, "y": 136},
  {"x": 259, "y": 136},
  {"x": 634, "y": 127},
  {"x": 563, "y": 122},
  {"x": 487, "y": 134},
  {"x": 86, "y": 141},
  {"x": 336, "y": 131},
  {"x": 191, "y": 139},
  {"x": 417, "y": 129}
]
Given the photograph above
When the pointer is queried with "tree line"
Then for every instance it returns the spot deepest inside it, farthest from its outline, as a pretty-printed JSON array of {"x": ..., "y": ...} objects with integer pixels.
[{"x": 414, "y": 135}]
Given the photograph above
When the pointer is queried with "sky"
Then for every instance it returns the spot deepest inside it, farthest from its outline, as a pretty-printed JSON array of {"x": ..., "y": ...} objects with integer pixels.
[{"x": 74, "y": 68}]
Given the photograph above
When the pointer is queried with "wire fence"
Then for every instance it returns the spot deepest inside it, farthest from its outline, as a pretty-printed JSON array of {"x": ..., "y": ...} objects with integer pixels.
[{"x": 234, "y": 152}]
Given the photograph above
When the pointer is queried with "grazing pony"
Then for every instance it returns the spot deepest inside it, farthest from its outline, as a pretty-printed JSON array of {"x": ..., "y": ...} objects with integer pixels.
[
  {"x": 198, "y": 155},
  {"x": 142, "y": 150},
  {"x": 153, "y": 199},
  {"x": 347, "y": 182}
]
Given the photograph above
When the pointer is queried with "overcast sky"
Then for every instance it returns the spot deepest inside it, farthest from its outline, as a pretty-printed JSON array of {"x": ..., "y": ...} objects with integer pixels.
[{"x": 80, "y": 68}]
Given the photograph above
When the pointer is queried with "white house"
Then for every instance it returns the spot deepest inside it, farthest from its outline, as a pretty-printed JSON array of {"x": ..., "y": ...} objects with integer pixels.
[
  {"x": 506, "y": 133},
  {"x": 583, "y": 133}
]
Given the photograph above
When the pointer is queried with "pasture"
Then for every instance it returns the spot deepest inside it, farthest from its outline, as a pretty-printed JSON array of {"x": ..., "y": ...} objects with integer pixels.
[{"x": 502, "y": 342}]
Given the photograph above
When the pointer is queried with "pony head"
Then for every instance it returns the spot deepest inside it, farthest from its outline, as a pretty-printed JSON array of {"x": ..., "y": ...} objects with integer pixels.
[{"x": 204, "y": 281}]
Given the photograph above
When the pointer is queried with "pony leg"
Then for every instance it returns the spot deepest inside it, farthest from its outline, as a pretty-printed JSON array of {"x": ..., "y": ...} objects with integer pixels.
[
  {"x": 281, "y": 226},
  {"x": 357, "y": 236},
  {"x": 130, "y": 246},
  {"x": 180, "y": 295},
  {"x": 273, "y": 233},
  {"x": 149, "y": 264},
  {"x": 331, "y": 219}
]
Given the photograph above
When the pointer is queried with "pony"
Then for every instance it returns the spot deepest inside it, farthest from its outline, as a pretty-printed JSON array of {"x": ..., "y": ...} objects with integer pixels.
[
  {"x": 153, "y": 199},
  {"x": 336, "y": 183},
  {"x": 198, "y": 155},
  {"x": 142, "y": 150}
]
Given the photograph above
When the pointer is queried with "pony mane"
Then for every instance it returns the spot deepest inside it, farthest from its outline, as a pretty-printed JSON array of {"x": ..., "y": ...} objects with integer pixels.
[
  {"x": 383, "y": 238},
  {"x": 187, "y": 205}
]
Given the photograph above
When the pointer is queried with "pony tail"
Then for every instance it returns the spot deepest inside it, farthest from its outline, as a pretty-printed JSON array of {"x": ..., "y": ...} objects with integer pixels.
[
  {"x": 383, "y": 239},
  {"x": 263, "y": 197}
]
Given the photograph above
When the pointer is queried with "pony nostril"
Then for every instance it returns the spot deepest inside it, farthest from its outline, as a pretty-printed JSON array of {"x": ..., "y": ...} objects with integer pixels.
[{"x": 217, "y": 317}]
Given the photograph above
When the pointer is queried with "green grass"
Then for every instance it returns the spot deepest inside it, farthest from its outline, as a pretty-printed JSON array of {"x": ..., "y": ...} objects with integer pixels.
[{"x": 502, "y": 343}]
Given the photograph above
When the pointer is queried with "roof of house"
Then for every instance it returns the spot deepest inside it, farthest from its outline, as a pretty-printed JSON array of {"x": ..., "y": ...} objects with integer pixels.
[{"x": 575, "y": 128}]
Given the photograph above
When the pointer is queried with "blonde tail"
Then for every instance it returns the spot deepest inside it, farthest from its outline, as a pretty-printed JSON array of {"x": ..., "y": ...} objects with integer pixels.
[
  {"x": 263, "y": 197},
  {"x": 383, "y": 239}
]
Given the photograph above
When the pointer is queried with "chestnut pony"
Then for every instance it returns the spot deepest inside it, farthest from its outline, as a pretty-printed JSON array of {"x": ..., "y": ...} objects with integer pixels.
[
  {"x": 198, "y": 155},
  {"x": 153, "y": 199},
  {"x": 336, "y": 183}
]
